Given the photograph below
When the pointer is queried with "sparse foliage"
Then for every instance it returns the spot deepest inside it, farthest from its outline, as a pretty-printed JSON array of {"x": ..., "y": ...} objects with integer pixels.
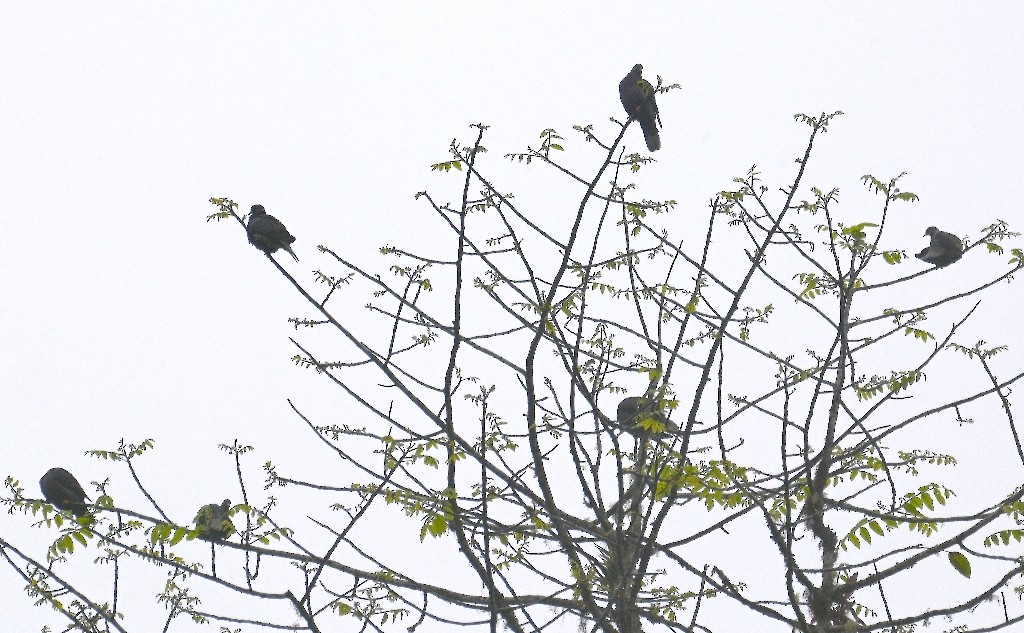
[{"x": 780, "y": 475}]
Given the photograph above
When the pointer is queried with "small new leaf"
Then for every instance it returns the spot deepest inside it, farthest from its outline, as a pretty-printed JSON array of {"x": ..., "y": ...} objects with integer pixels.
[
  {"x": 857, "y": 230},
  {"x": 892, "y": 257},
  {"x": 918, "y": 334},
  {"x": 447, "y": 166},
  {"x": 907, "y": 196},
  {"x": 435, "y": 526},
  {"x": 875, "y": 183}
]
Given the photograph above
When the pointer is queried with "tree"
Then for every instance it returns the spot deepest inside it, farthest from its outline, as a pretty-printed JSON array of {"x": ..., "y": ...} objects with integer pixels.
[{"x": 783, "y": 477}]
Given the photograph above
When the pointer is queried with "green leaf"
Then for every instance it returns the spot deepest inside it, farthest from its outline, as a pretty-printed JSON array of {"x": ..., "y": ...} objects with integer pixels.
[
  {"x": 875, "y": 183},
  {"x": 927, "y": 500},
  {"x": 1003, "y": 537},
  {"x": 179, "y": 533},
  {"x": 960, "y": 563},
  {"x": 436, "y": 526},
  {"x": 857, "y": 230},
  {"x": 892, "y": 257},
  {"x": 160, "y": 532},
  {"x": 447, "y": 166},
  {"x": 538, "y": 522},
  {"x": 918, "y": 334}
]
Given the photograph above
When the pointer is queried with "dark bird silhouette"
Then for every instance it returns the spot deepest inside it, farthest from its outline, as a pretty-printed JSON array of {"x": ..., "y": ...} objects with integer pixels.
[
  {"x": 637, "y": 415},
  {"x": 945, "y": 248},
  {"x": 62, "y": 490},
  {"x": 637, "y": 96},
  {"x": 267, "y": 233},
  {"x": 214, "y": 521}
]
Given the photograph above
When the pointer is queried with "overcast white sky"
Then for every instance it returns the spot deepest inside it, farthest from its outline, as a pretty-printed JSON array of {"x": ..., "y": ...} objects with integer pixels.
[{"x": 124, "y": 314}]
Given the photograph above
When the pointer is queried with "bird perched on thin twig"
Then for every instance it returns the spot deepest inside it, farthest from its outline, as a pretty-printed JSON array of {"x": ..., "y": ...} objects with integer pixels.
[
  {"x": 637, "y": 96},
  {"x": 214, "y": 521},
  {"x": 62, "y": 490},
  {"x": 945, "y": 248},
  {"x": 267, "y": 233},
  {"x": 641, "y": 417}
]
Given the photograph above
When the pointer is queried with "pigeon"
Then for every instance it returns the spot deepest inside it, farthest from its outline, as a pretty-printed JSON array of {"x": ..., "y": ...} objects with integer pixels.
[
  {"x": 945, "y": 248},
  {"x": 62, "y": 490},
  {"x": 267, "y": 233},
  {"x": 214, "y": 522},
  {"x": 632, "y": 412},
  {"x": 637, "y": 96}
]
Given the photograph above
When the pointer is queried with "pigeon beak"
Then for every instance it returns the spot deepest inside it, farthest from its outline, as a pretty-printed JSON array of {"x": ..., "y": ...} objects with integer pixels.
[{"x": 925, "y": 234}]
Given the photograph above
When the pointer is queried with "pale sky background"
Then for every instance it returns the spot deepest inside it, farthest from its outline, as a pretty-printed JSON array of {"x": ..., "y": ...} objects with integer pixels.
[{"x": 125, "y": 315}]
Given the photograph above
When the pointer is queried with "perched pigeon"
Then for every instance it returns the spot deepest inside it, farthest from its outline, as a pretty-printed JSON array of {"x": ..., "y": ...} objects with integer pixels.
[
  {"x": 62, "y": 490},
  {"x": 637, "y": 96},
  {"x": 267, "y": 233},
  {"x": 214, "y": 521},
  {"x": 945, "y": 248},
  {"x": 633, "y": 412}
]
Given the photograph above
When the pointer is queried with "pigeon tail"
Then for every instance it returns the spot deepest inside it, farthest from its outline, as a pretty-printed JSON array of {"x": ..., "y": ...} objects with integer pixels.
[
  {"x": 77, "y": 509},
  {"x": 938, "y": 257},
  {"x": 291, "y": 252},
  {"x": 650, "y": 134}
]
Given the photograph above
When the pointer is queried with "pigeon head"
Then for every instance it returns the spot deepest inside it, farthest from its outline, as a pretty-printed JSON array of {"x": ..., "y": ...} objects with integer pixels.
[
  {"x": 931, "y": 230},
  {"x": 257, "y": 209}
]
